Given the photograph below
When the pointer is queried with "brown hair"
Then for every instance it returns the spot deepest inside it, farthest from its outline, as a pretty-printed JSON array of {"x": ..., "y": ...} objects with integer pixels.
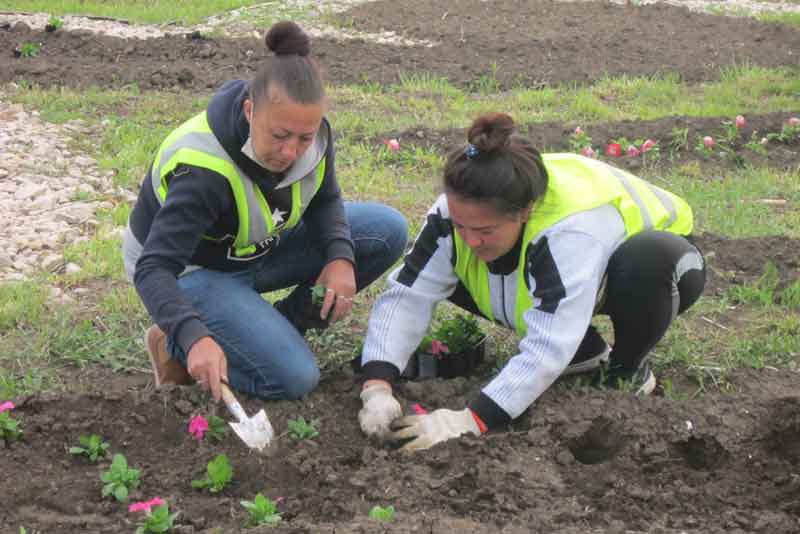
[
  {"x": 496, "y": 166},
  {"x": 291, "y": 66}
]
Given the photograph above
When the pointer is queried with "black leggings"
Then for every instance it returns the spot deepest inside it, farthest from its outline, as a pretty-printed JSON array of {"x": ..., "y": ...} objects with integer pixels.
[{"x": 651, "y": 278}]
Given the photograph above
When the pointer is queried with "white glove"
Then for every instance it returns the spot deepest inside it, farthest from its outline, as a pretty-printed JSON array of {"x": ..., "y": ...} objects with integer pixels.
[
  {"x": 379, "y": 410},
  {"x": 435, "y": 427}
]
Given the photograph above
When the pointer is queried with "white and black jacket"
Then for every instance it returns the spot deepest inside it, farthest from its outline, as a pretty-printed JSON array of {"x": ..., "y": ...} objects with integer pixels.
[{"x": 564, "y": 265}]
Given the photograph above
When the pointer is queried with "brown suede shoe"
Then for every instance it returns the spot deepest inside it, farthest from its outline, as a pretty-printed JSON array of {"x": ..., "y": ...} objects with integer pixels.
[{"x": 165, "y": 369}]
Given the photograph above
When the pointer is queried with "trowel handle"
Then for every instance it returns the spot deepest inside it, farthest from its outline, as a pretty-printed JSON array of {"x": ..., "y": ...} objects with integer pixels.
[{"x": 231, "y": 402}]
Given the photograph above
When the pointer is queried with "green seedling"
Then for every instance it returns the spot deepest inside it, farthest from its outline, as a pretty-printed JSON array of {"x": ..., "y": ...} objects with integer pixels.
[
  {"x": 318, "y": 295},
  {"x": 219, "y": 474},
  {"x": 93, "y": 447},
  {"x": 578, "y": 140},
  {"x": 53, "y": 24},
  {"x": 217, "y": 429},
  {"x": 788, "y": 133},
  {"x": 678, "y": 140},
  {"x": 30, "y": 49},
  {"x": 460, "y": 333},
  {"x": 9, "y": 428},
  {"x": 300, "y": 429},
  {"x": 158, "y": 521},
  {"x": 119, "y": 479},
  {"x": 382, "y": 513},
  {"x": 262, "y": 510}
]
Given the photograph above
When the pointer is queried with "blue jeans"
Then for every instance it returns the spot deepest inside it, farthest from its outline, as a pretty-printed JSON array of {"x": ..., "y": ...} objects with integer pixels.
[{"x": 267, "y": 356}]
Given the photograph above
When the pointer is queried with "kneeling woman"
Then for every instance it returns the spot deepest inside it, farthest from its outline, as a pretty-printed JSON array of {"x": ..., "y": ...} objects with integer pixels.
[{"x": 540, "y": 244}]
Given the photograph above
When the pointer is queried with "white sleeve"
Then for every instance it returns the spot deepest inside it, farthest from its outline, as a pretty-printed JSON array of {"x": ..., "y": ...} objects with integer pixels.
[
  {"x": 402, "y": 313},
  {"x": 565, "y": 269}
]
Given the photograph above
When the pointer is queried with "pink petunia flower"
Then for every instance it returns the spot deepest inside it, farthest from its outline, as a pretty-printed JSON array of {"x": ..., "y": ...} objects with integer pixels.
[
  {"x": 198, "y": 426},
  {"x": 437, "y": 347},
  {"x": 6, "y": 406},
  {"x": 145, "y": 505}
]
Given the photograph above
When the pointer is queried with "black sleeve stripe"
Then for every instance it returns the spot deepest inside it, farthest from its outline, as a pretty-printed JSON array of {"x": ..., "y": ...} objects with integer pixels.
[
  {"x": 541, "y": 266},
  {"x": 426, "y": 245}
]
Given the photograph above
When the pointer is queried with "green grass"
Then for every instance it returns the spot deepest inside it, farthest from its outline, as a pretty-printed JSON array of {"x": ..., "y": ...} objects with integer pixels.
[
  {"x": 789, "y": 18},
  {"x": 144, "y": 11}
]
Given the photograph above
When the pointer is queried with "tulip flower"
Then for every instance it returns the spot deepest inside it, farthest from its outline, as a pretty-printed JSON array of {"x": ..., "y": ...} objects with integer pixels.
[
  {"x": 740, "y": 121},
  {"x": 708, "y": 142},
  {"x": 793, "y": 121},
  {"x": 392, "y": 144},
  {"x": 578, "y": 131},
  {"x": 5, "y": 406},
  {"x": 649, "y": 144},
  {"x": 614, "y": 150},
  {"x": 198, "y": 426},
  {"x": 632, "y": 151},
  {"x": 588, "y": 152}
]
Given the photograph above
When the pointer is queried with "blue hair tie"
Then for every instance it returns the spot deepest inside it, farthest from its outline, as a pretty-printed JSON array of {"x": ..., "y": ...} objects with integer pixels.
[{"x": 471, "y": 151}]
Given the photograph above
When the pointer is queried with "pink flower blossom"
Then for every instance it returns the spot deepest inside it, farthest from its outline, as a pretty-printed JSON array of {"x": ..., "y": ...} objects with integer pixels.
[
  {"x": 198, "y": 426},
  {"x": 708, "y": 141},
  {"x": 392, "y": 144},
  {"x": 793, "y": 121},
  {"x": 649, "y": 144},
  {"x": 437, "y": 347},
  {"x": 588, "y": 152},
  {"x": 145, "y": 505},
  {"x": 5, "y": 406},
  {"x": 632, "y": 151},
  {"x": 418, "y": 409},
  {"x": 740, "y": 121},
  {"x": 578, "y": 131}
]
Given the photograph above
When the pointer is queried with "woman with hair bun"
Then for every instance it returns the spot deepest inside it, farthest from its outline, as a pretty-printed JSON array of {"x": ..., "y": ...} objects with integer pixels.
[
  {"x": 539, "y": 244},
  {"x": 240, "y": 200}
]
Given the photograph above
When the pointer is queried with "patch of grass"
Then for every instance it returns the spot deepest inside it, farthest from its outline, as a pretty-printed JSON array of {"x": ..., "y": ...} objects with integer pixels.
[
  {"x": 98, "y": 257},
  {"x": 789, "y": 18},
  {"x": 144, "y": 11},
  {"x": 21, "y": 303},
  {"x": 729, "y": 202}
]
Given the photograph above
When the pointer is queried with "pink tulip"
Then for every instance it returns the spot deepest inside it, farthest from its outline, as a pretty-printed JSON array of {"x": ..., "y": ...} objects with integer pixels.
[
  {"x": 708, "y": 142},
  {"x": 392, "y": 144},
  {"x": 740, "y": 121},
  {"x": 614, "y": 150},
  {"x": 145, "y": 505},
  {"x": 198, "y": 426},
  {"x": 632, "y": 151},
  {"x": 649, "y": 144},
  {"x": 578, "y": 131},
  {"x": 6, "y": 406},
  {"x": 588, "y": 152},
  {"x": 793, "y": 121}
]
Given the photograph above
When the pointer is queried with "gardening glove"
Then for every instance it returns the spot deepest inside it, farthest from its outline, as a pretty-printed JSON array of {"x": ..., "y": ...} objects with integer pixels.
[
  {"x": 427, "y": 430},
  {"x": 379, "y": 409}
]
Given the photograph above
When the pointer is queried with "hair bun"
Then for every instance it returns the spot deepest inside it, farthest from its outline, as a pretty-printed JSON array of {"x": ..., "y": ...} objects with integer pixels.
[
  {"x": 286, "y": 38},
  {"x": 491, "y": 131}
]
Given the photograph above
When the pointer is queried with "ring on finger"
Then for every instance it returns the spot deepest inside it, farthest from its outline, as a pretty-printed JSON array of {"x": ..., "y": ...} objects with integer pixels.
[{"x": 346, "y": 299}]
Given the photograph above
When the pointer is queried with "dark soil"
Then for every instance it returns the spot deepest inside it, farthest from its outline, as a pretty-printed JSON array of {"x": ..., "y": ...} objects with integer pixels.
[
  {"x": 580, "y": 460},
  {"x": 508, "y": 42}
]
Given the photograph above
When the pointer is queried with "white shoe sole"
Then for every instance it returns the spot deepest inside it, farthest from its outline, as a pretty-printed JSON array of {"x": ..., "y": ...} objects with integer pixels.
[{"x": 588, "y": 365}]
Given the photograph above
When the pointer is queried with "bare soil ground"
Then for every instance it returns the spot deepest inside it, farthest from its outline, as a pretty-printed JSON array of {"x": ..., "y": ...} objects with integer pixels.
[
  {"x": 514, "y": 43},
  {"x": 580, "y": 461}
]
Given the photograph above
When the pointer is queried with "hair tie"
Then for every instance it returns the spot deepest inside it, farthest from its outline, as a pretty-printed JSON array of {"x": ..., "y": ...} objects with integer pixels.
[{"x": 471, "y": 151}]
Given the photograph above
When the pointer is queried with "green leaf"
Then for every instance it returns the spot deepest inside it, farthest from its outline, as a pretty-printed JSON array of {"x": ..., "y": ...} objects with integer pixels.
[
  {"x": 382, "y": 514},
  {"x": 121, "y": 493},
  {"x": 200, "y": 484},
  {"x": 76, "y": 450}
]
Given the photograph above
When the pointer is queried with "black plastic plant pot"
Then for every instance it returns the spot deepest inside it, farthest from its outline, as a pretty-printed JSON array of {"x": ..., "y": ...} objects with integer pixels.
[
  {"x": 50, "y": 28},
  {"x": 17, "y": 52},
  {"x": 448, "y": 365}
]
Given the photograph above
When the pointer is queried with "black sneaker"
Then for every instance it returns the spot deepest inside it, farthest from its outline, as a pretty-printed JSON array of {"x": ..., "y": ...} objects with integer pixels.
[
  {"x": 584, "y": 362},
  {"x": 298, "y": 308},
  {"x": 640, "y": 382}
]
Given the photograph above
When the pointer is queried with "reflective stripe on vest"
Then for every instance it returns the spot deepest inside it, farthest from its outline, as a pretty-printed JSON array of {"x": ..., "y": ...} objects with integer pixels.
[
  {"x": 576, "y": 184},
  {"x": 193, "y": 143}
]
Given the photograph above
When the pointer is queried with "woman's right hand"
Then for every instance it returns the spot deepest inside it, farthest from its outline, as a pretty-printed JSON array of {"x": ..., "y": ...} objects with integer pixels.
[{"x": 208, "y": 366}]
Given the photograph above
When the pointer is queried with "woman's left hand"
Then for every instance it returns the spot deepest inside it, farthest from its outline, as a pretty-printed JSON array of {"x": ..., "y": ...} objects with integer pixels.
[{"x": 339, "y": 279}]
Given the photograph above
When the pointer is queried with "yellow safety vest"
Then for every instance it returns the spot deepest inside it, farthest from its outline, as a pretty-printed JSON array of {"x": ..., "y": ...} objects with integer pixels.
[
  {"x": 193, "y": 143},
  {"x": 577, "y": 184}
]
